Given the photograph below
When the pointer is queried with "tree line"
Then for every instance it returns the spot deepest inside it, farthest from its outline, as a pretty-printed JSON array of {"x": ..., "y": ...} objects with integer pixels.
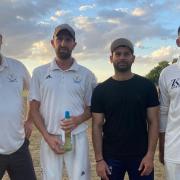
[{"x": 153, "y": 75}]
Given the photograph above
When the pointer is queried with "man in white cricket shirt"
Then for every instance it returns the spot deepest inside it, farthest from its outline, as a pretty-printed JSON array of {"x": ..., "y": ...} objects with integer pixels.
[
  {"x": 57, "y": 87},
  {"x": 169, "y": 141},
  {"x": 15, "y": 157}
]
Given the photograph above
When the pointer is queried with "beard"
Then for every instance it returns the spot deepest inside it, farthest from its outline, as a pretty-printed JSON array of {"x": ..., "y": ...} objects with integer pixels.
[
  {"x": 122, "y": 67},
  {"x": 63, "y": 53}
]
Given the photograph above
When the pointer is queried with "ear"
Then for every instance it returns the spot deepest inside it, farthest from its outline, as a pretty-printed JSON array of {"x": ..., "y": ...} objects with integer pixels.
[
  {"x": 52, "y": 43},
  {"x": 178, "y": 41},
  {"x": 111, "y": 58},
  {"x": 133, "y": 58},
  {"x": 74, "y": 45}
]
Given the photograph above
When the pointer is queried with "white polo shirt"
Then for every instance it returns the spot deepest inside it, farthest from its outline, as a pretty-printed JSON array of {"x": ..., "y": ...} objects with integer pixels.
[
  {"x": 169, "y": 84},
  {"x": 14, "y": 80},
  {"x": 59, "y": 91}
]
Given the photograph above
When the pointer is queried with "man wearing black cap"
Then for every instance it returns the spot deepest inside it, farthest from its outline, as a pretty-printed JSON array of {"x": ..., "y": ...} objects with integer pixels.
[
  {"x": 58, "y": 87},
  {"x": 169, "y": 139},
  {"x": 125, "y": 120}
]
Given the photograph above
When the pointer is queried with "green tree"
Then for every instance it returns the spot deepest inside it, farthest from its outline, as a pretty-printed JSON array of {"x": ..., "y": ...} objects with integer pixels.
[{"x": 153, "y": 75}]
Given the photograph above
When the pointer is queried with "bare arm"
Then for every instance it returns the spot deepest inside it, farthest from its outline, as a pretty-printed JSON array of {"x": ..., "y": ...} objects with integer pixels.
[
  {"x": 28, "y": 124},
  {"x": 97, "y": 124},
  {"x": 147, "y": 164},
  {"x": 161, "y": 146},
  {"x": 52, "y": 140}
]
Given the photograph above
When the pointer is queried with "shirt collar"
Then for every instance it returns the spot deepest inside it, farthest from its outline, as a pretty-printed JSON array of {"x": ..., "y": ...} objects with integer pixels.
[
  {"x": 54, "y": 66},
  {"x": 4, "y": 63}
]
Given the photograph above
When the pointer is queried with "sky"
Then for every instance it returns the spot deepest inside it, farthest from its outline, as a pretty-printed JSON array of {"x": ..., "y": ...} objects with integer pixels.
[{"x": 27, "y": 28}]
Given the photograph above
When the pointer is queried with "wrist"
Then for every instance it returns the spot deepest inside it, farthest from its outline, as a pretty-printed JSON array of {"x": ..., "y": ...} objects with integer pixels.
[
  {"x": 150, "y": 154},
  {"x": 77, "y": 121},
  {"x": 99, "y": 160}
]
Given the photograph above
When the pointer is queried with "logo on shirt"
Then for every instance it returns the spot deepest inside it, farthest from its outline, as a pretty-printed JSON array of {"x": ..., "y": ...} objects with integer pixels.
[
  {"x": 175, "y": 83},
  {"x": 77, "y": 79},
  {"x": 12, "y": 78},
  {"x": 48, "y": 76},
  {"x": 83, "y": 173}
]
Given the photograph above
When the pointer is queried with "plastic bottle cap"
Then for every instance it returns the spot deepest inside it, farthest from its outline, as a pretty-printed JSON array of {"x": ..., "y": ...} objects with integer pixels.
[{"x": 67, "y": 115}]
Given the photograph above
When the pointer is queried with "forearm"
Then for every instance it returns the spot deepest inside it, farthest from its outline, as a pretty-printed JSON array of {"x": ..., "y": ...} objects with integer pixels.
[
  {"x": 97, "y": 141},
  {"x": 29, "y": 117},
  {"x": 161, "y": 142},
  {"x": 152, "y": 137},
  {"x": 37, "y": 119},
  {"x": 84, "y": 116}
]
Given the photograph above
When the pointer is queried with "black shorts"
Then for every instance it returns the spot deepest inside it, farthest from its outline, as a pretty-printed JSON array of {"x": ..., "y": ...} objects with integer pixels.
[{"x": 18, "y": 164}]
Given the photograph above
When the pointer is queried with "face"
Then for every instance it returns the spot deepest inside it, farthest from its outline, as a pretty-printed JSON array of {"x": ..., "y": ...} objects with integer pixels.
[
  {"x": 178, "y": 41},
  {"x": 63, "y": 45},
  {"x": 122, "y": 59}
]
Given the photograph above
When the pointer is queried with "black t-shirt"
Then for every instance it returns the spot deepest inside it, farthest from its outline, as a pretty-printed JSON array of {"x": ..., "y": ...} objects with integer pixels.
[{"x": 124, "y": 105}]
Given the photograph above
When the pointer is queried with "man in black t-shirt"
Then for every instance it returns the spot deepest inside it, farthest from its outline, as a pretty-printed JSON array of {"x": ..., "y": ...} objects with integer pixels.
[{"x": 125, "y": 111}]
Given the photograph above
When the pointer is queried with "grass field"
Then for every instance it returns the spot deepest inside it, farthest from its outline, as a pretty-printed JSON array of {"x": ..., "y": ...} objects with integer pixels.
[{"x": 34, "y": 147}]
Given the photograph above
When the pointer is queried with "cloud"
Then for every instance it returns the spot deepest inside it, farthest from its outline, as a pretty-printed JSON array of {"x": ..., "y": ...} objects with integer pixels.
[
  {"x": 27, "y": 27},
  {"x": 59, "y": 13},
  {"x": 86, "y": 7},
  {"x": 166, "y": 53},
  {"x": 138, "y": 12},
  {"x": 140, "y": 45},
  {"x": 23, "y": 23},
  {"x": 107, "y": 2}
]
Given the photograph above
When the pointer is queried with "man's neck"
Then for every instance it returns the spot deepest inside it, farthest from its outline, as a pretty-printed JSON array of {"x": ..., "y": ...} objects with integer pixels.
[
  {"x": 64, "y": 64},
  {"x": 123, "y": 76}
]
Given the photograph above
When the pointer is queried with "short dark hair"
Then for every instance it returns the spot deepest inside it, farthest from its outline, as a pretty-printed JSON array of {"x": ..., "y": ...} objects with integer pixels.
[{"x": 179, "y": 30}]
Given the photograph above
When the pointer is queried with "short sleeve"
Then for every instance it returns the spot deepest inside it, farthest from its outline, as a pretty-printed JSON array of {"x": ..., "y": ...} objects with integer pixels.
[
  {"x": 91, "y": 83},
  {"x": 26, "y": 79},
  {"x": 152, "y": 96},
  {"x": 34, "y": 93},
  {"x": 97, "y": 105}
]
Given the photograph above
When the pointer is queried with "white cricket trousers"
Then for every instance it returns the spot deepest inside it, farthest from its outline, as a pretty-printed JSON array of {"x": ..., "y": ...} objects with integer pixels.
[
  {"x": 172, "y": 171},
  {"x": 76, "y": 161}
]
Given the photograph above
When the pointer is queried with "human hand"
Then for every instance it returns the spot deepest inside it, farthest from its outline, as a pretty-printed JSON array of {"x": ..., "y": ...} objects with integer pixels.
[
  {"x": 70, "y": 124},
  {"x": 102, "y": 170},
  {"x": 146, "y": 165},
  {"x": 28, "y": 128},
  {"x": 55, "y": 143}
]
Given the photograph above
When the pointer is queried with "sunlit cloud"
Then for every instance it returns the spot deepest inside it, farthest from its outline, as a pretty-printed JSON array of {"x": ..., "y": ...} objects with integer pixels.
[
  {"x": 86, "y": 7},
  {"x": 83, "y": 22},
  {"x": 138, "y": 12},
  {"x": 162, "y": 52},
  {"x": 53, "y": 18},
  {"x": 61, "y": 13}
]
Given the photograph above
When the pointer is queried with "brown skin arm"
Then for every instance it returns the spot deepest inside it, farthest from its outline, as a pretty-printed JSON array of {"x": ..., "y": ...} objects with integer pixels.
[
  {"x": 101, "y": 166},
  {"x": 161, "y": 147},
  {"x": 75, "y": 120},
  {"x": 28, "y": 124},
  {"x": 52, "y": 140},
  {"x": 147, "y": 163}
]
